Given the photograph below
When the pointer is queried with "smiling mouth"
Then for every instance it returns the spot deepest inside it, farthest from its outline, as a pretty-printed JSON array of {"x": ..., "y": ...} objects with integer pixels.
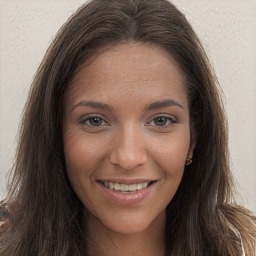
[{"x": 126, "y": 188}]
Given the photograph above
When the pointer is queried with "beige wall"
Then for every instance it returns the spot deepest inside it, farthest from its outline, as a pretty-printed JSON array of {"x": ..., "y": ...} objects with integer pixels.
[{"x": 226, "y": 27}]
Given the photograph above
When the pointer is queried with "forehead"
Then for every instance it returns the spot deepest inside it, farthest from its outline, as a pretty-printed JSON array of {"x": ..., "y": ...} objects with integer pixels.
[{"x": 129, "y": 70}]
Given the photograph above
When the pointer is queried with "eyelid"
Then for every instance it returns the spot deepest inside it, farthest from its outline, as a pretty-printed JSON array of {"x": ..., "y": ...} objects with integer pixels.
[{"x": 167, "y": 115}]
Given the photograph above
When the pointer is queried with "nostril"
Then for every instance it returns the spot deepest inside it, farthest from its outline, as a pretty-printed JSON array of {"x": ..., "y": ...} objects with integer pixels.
[
  {"x": 128, "y": 160},
  {"x": 128, "y": 149}
]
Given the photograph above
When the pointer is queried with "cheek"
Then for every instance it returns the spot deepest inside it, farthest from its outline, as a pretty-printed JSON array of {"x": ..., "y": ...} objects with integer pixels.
[
  {"x": 170, "y": 159},
  {"x": 82, "y": 158},
  {"x": 170, "y": 152},
  {"x": 81, "y": 152}
]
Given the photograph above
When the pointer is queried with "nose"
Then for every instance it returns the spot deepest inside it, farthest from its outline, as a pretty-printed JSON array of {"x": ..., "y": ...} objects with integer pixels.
[{"x": 128, "y": 150}]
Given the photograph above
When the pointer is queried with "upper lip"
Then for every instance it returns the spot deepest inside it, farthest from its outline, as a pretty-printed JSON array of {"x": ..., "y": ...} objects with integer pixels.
[{"x": 127, "y": 181}]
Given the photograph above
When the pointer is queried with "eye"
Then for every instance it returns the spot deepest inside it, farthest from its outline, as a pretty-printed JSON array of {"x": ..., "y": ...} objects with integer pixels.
[
  {"x": 162, "y": 121},
  {"x": 93, "y": 121}
]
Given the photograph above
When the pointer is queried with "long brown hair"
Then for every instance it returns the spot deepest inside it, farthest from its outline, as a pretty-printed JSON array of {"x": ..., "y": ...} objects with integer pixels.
[{"x": 45, "y": 213}]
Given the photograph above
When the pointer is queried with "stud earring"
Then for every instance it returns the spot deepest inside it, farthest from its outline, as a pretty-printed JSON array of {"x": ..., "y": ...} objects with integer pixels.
[{"x": 188, "y": 161}]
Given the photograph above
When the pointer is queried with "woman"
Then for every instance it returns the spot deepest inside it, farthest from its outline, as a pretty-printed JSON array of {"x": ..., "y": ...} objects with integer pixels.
[{"x": 123, "y": 147}]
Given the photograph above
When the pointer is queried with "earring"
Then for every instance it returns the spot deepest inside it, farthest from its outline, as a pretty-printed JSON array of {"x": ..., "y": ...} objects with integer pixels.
[
  {"x": 3, "y": 215},
  {"x": 188, "y": 161}
]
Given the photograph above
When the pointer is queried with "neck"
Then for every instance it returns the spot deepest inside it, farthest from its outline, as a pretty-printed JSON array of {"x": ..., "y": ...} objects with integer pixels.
[{"x": 102, "y": 241}]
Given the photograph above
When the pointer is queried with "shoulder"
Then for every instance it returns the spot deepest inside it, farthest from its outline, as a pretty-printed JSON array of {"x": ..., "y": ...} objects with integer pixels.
[{"x": 242, "y": 223}]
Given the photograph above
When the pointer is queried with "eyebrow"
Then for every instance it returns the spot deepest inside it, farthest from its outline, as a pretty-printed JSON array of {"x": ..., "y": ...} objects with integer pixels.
[
  {"x": 163, "y": 104},
  {"x": 152, "y": 106},
  {"x": 93, "y": 104}
]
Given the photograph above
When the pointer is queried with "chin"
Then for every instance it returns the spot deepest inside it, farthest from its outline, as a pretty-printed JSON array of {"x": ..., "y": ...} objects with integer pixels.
[
  {"x": 131, "y": 223},
  {"x": 126, "y": 228}
]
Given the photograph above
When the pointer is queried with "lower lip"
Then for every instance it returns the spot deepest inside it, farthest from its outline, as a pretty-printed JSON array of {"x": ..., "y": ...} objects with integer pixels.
[{"x": 128, "y": 198}]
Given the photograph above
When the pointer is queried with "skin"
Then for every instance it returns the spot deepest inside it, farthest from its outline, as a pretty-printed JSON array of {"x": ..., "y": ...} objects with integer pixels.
[{"x": 127, "y": 141}]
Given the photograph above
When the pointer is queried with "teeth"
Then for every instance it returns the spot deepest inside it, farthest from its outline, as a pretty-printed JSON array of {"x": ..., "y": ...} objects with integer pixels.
[
  {"x": 117, "y": 186},
  {"x": 139, "y": 186},
  {"x": 144, "y": 184},
  {"x": 132, "y": 187},
  {"x": 125, "y": 187},
  {"x": 111, "y": 185}
]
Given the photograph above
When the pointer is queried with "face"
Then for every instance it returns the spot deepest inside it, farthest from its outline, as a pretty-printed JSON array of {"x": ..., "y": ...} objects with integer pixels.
[{"x": 127, "y": 136}]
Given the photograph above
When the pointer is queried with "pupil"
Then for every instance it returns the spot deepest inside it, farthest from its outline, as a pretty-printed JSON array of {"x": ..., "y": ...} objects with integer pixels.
[
  {"x": 161, "y": 121},
  {"x": 95, "y": 121}
]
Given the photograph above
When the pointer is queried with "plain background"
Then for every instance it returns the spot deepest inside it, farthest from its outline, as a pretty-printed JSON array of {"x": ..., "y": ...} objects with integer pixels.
[{"x": 226, "y": 28}]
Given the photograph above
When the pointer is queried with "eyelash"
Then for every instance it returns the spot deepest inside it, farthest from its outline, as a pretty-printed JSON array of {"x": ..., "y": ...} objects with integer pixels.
[{"x": 169, "y": 119}]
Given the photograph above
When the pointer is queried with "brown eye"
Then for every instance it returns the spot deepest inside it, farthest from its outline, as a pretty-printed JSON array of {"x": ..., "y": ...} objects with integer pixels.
[
  {"x": 161, "y": 121},
  {"x": 95, "y": 121}
]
